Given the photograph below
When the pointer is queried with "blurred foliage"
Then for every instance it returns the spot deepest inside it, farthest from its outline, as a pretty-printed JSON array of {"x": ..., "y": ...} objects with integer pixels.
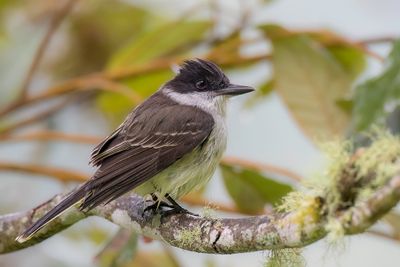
[
  {"x": 152, "y": 259},
  {"x": 378, "y": 95},
  {"x": 161, "y": 41},
  {"x": 311, "y": 76},
  {"x": 393, "y": 219},
  {"x": 251, "y": 190},
  {"x": 95, "y": 234},
  {"x": 263, "y": 90},
  {"x": 313, "y": 73},
  {"x": 96, "y": 31},
  {"x": 120, "y": 250}
]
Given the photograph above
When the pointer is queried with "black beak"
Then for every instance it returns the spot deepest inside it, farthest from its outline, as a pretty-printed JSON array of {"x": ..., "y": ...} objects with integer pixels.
[{"x": 235, "y": 89}]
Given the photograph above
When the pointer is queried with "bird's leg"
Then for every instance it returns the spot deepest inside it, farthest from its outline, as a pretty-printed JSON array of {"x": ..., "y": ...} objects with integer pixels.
[
  {"x": 173, "y": 206},
  {"x": 176, "y": 208},
  {"x": 157, "y": 204}
]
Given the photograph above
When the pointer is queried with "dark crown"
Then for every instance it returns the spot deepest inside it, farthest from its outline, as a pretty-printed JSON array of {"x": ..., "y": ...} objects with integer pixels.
[{"x": 192, "y": 70}]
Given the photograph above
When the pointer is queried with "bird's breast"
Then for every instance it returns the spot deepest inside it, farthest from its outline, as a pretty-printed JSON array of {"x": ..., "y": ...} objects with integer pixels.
[{"x": 194, "y": 169}]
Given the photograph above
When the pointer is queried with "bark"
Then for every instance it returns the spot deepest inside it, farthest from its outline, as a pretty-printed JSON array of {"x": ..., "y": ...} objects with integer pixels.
[{"x": 211, "y": 235}]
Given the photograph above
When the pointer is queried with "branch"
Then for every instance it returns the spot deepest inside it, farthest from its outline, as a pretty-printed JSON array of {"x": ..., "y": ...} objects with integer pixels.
[
  {"x": 219, "y": 236},
  {"x": 91, "y": 81},
  {"x": 378, "y": 40},
  {"x": 6, "y": 129},
  {"x": 262, "y": 167},
  {"x": 60, "y": 174},
  {"x": 54, "y": 24}
]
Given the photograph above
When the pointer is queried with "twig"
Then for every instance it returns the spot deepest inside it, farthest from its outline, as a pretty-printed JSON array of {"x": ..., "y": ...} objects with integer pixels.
[
  {"x": 261, "y": 167},
  {"x": 55, "y": 22},
  {"x": 378, "y": 40},
  {"x": 50, "y": 136},
  {"x": 97, "y": 82},
  {"x": 384, "y": 235},
  {"x": 196, "y": 200},
  {"x": 112, "y": 86},
  {"x": 85, "y": 82},
  {"x": 36, "y": 117},
  {"x": 60, "y": 174}
]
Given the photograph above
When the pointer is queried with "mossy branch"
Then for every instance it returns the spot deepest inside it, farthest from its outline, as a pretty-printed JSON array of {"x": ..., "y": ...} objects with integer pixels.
[
  {"x": 323, "y": 209},
  {"x": 278, "y": 230}
]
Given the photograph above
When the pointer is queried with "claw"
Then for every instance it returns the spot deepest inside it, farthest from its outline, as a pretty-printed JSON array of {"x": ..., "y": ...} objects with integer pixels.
[{"x": 172, "y": 207}]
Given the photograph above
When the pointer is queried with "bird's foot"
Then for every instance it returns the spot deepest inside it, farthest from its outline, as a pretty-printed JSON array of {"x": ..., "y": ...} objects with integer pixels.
[
  {"x": 157, "y": 206},
  {"x": 165, "y": 208},
  {"x": 176, "y": 208}
]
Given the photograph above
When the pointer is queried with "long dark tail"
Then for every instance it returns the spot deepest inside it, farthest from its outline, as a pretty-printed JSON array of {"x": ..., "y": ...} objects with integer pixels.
[{"x": 69, "y": 201}]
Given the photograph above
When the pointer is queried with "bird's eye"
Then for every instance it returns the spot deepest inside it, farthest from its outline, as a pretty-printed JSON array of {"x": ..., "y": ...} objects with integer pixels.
[{"x": 201, "y": 85}]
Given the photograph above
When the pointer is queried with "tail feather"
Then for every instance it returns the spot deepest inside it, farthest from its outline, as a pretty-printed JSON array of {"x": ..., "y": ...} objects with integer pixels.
[{"x": 66, "y": 203}]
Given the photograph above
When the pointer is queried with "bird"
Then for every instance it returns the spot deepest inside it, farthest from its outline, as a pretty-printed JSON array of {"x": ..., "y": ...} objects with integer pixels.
[{"x": 166, "y": 147}]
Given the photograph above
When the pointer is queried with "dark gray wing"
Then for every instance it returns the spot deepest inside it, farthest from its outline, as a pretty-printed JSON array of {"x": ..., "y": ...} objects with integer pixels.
[{"x": 149, "y": 141}]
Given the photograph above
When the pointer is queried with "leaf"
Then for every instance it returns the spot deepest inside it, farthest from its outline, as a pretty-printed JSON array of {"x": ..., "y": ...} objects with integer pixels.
[
  {"x": 116, "y": 106},
  {"x": 352, "y": 59},
  {"x": 346, "y": 105},
  {"x": 311, "y": 79},
  {"x": 153, "y": 259},
  {"x": 371, "y": 96},
  {"x": 393, "y": 219},
  {"x": 120, "y": 250},
  {"x": 264, "y": 90},
  {"x": 99, "y": 29},
  {"x": 251, "y": 190},
  {"x": 164, "y": 40}
]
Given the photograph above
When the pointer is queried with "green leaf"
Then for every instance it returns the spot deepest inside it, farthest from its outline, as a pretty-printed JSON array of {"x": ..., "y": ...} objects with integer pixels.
[
  {"x": 151, "y": 44},
  {"x": 263, "y": 91},
  {"x": 371, "y": 96},
  {"x": 311, "y": 79},
  {"x": 116, "y": 106},
  {"x": 346, "y": 105},
  {"x": 121, "y": 250},
  {"x": 251, "y": 190},
  {"x": 164, "y": 40},
  {"x": 97, "y": 31},
  {"x": 352, "y": 59}
]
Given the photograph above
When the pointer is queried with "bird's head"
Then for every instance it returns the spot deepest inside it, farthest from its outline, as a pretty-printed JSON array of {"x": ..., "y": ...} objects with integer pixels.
[{"x": 204, "y": 77}]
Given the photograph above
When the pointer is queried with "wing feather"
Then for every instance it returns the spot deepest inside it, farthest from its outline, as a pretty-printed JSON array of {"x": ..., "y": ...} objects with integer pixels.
[{"x": 149, "y": 141}]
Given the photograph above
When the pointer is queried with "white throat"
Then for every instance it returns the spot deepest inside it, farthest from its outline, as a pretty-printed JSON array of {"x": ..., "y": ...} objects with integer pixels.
[{"x": 214, "y": 105}]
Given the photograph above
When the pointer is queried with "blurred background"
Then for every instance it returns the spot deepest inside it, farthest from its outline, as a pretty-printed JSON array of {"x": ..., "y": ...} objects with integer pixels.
[{"x": 71, "y": 70}]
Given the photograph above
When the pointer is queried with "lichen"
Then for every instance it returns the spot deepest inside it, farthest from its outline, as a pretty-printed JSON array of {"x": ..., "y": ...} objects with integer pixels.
[
  {"x": 208, "y": 212},
  {"x": 350, "y": 176},
  {"x": 305, "y": 205},
  {"x": 247, "y": 235},
  {"x": 188, "y": 237},
  {"x": 288, "y": 257}
]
